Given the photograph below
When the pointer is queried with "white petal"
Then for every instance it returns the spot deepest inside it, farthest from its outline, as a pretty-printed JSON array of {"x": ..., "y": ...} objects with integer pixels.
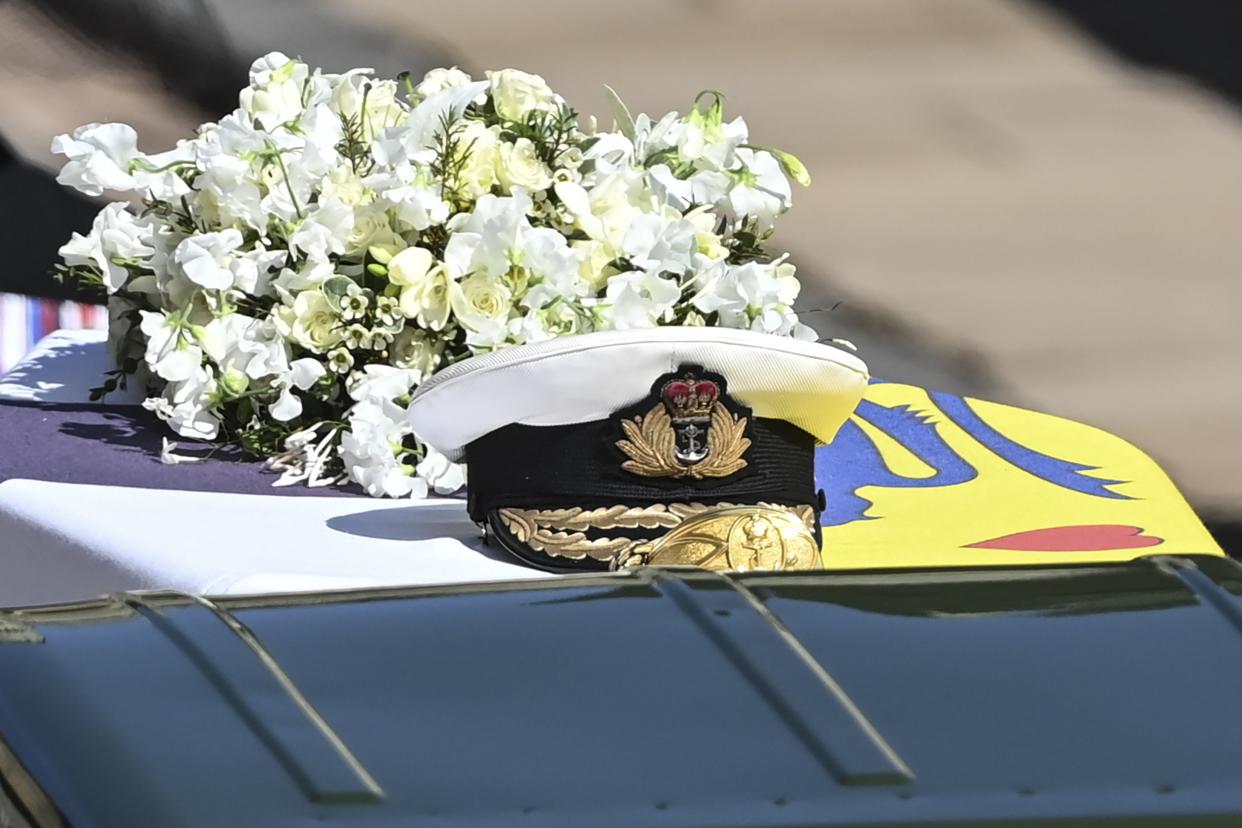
[
  {"x": 306, "y": 372},
  {"x": 286, "y": 407}
]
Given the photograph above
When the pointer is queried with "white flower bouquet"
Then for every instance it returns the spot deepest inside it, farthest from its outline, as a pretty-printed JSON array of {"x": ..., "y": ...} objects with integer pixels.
[{"x": 296, "y": 269}]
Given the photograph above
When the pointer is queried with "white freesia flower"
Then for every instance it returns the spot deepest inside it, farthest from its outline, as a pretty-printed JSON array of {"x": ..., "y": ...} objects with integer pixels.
[{"x": 100, "y": 156}]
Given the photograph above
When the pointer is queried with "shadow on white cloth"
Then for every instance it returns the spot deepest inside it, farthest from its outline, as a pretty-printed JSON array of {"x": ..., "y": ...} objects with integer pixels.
[
  {"x": 62, "y": 368},
  {"x": 70, "y": 541}
]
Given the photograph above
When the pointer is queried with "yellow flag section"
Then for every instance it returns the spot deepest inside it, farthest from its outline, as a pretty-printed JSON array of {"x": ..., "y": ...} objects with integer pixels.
[{"x": 921, "y": 478}]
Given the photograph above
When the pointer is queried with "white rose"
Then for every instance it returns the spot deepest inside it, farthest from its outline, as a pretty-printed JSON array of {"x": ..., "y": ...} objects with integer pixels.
[
  {"x": 312, "y": 322},
  {"x": 382, "y": 108},
  {"x": 371, "y": 229},
  {"x": 482, "y": 306},
  {"x": 418, "y": 351},
  {"x": 517, "y": 165},
  {"x": 439, "y": 80},
  {"x": 478, "y": 173},
  {"x": 346, "y": 186},
  {"x": 515, "y": 93}
]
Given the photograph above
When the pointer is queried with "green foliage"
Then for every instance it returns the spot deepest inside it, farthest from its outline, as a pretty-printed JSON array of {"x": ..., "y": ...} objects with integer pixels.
[
  {"x": 551, "y": 132},
  {"x": 452, "y": 154}
]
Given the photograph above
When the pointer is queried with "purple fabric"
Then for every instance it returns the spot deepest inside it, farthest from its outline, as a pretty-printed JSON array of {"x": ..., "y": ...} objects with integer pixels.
[{"x": 120, "y": 446}]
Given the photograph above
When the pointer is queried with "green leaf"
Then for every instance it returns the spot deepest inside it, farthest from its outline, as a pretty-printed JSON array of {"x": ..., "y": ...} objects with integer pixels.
[
  {"x": 621, "y": 113},
  {"x": 337, "y": 287}
]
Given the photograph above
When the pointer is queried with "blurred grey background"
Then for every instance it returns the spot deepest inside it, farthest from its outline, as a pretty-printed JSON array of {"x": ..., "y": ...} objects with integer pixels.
[{"x": 1033, "y": 202}]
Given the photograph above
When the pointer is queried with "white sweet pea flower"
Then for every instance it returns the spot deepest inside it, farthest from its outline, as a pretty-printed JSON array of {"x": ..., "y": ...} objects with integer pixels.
[
  {"x": 370, "y": 449},
  {"x": 115, "y": 234},
  {"x": 418, "y": 207},
  {"x": 656, "y": 244},
  {"x": 426, "y": 120},
  {"x": 761, "y": 189},
  {"x": 287, "y": 406},
  {"x": 326, "y": 230},
  {"x": 383, "y": 382},
  {"x": 669, "y": 189},
  {"x": 170, "y": 354},
  {"x": 274, "y": 96},
  {"x": 488, "y": 239},
  {"x": 101, "y": 157},
  {"x": 553, "y": 267},
  {"x": 253, "y": 269},
  {"x": 205, "y": 259},
  {"x": 441, "y": 474},
  {"x": 185, "y": 403},
  {"x": 254, "y": 348},
  {"x": 302, "y": 375},
  {"x": 156, "y": 175},
  {"x": 753, "y": 295},
  {"x": 640, "y": 299}
]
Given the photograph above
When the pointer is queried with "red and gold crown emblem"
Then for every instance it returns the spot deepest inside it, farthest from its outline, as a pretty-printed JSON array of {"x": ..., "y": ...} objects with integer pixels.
[
  {"x": 689, "y": 432},
  {"x": 688, "y": 399}
]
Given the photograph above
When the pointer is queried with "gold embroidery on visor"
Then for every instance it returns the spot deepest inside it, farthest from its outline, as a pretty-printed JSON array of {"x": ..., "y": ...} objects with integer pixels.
[{"x": 722, "y": 536}]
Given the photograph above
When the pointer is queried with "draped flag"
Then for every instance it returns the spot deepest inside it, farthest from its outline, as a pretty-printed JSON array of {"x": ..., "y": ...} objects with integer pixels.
[{"x": 925, "y": 478}]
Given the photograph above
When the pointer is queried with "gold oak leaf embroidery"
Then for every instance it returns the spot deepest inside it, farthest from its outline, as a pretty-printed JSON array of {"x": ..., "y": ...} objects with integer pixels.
[{"x": 650, "y": 445}]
